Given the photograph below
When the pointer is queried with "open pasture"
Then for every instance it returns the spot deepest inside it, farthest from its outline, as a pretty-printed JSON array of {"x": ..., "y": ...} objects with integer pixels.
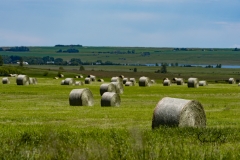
[
  {"x": 37, "y": 122},
  {"x": 141, "y": 55}
]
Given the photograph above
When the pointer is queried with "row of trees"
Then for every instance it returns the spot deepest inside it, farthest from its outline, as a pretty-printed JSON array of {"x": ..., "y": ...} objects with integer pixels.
[
  {"x": 16, "y": 49},
  {"x": 72, "y": 50},
  {"x": 49, "y": 60}
]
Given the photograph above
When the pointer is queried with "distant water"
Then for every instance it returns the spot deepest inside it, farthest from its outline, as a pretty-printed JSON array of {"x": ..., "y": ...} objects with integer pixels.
[{"x": 199, "y": 65}]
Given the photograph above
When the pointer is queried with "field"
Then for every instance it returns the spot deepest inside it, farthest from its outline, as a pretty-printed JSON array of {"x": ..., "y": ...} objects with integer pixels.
[
  {"x": 37, "y": 122},
  {"x": 157, "y": 55}
]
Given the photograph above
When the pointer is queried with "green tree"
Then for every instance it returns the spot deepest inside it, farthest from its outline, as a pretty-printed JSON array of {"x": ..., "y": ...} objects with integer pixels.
[
  {"x": 163, "y": 68},
  {"x": 21, "y": 62},
  {"x": 219, "y": 66},
  {"x": 1, "y": 61},
  {"x": 45, "y": 73},
  {"x": 134, "y": 69},
  {"x": 81, "y": 68},
  {"x": 61, "y": 68}
]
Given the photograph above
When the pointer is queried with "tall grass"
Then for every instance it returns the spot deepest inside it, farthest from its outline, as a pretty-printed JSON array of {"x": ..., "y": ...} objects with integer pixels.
[{"x": 37, "y": 122}]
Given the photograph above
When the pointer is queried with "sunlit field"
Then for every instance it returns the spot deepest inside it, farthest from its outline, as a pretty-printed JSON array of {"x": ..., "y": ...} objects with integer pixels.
[{"x": 37, "y": 122}]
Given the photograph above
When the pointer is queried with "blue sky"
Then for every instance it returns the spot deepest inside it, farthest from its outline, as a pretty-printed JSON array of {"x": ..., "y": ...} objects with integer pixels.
[{"x": 141, "y": 23}]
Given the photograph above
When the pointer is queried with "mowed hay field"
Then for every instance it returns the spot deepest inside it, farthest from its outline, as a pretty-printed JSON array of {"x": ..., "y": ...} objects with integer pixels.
[{"x": 37, "y": 122}]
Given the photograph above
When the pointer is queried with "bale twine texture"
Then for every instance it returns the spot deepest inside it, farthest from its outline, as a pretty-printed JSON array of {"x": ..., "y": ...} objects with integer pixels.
[
  {"x": 144, "y": 81},
  {"x": 119, "y": 87},
  {"x": 128, "y": 83},
  {"x": 69, "y": 81},
  {"x": 178, "y": 112},
  {"x": 231, "y": 81},
  {"x": 107, "y": 87},
  {"x": 193, "y": 83},
  {"x": 179, "y": 81},
  {"x": 22, "y": 80},
  {"x": 167, "y": 82},
  {"x": 5, "y": 80},
  {"x": 87, "y": 81},
  {"x": 81, "y": 97},
  {"x": 110, "y": 99},
  {"x": 133, "y": 80},
  {"x": 203, "y": 83}
]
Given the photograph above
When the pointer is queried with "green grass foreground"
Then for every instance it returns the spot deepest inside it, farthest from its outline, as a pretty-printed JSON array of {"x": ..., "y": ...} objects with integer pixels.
[{"x": 36, "y": 122}]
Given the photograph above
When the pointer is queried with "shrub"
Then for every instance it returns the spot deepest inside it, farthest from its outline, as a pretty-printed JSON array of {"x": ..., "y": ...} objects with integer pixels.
[{"x": 45, "y": 73}]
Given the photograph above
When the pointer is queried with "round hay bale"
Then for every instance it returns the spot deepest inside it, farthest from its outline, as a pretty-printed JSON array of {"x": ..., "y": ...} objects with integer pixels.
[
  {"x": 231, "y": 81},
  {"x": 62, "y": 82},
  {"x": 121, "y": 76},
  {"x": 128, "y": 83},
  {"x": 180, "y": 81},
  {"x": 125, "y": 80},
  {"x": 69, "y": 81},
  {"x": 87, "y": 81},
  {"x": 32, "y": 80},
  {"x": 167, "y": 82},
  {"x": 116, "y": 79},
  {"x": 174, "y": 79},
  {"x": 119, "y": 87},
  {"x": 61, "y": 76},
  {"x": 144, "y": 81},
  {"x": 203, "y": 83},
  {"x": 22, "y": 80},
  {"x": 107, "y": 87},
  {"x": 81, "y": 97},
  {"x": 193, "y": 83},
  {"x": 110, "y": 99},
  {"x": 152, "y": 81},
  {"x": 100, "y": 80},
  {"x": 79, "y": 83},
  {"x": 92, "y": 77},
  {"x": 133, "y": 80},
  {"x": 178, "y": 112},
  {"x": 5, "y": 80}
]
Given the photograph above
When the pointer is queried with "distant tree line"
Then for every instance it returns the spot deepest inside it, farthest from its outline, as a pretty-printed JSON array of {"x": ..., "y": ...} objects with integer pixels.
[
  {"x": 16, "y": 49},
  {"x": 236, "y": 49},
  {"x": 71, "y": 45},
  {"x": 6, "y": 70},
  {"x": 118, "y": 52},
  {"x": 72, "y": 50},
  {"x": 5, "y": 59}
]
